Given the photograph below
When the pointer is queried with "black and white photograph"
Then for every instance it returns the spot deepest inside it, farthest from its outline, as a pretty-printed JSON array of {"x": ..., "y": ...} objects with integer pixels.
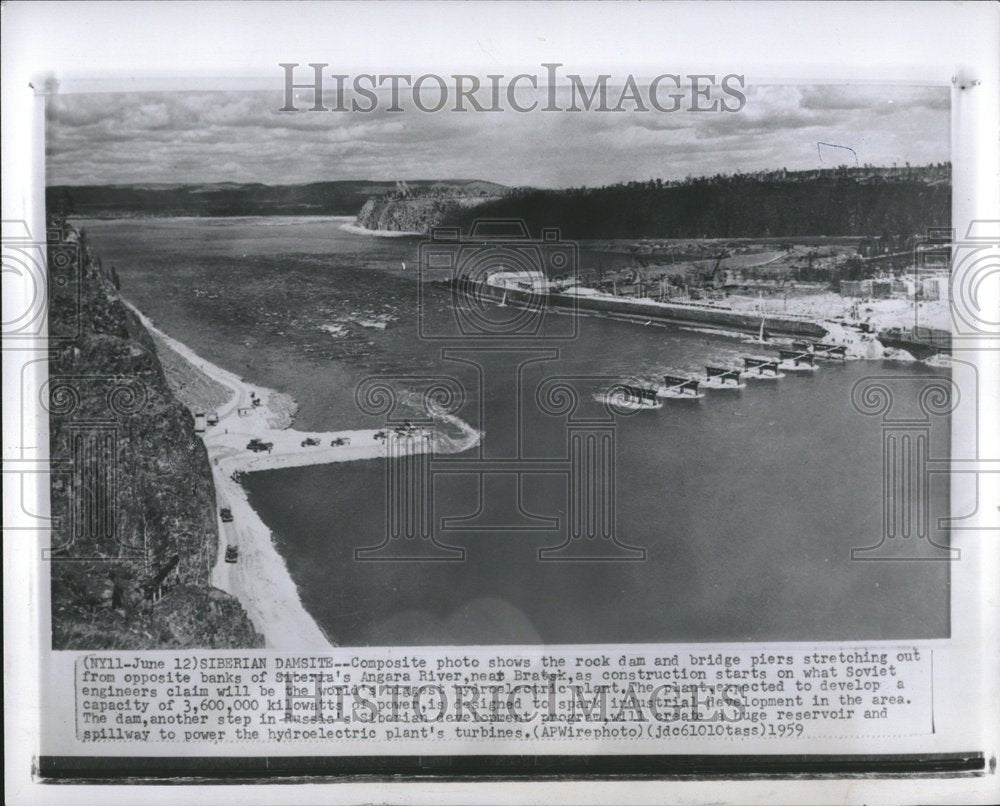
[
  {"x": 539, "y": 378},
  {"x": 507, "y": 392}
]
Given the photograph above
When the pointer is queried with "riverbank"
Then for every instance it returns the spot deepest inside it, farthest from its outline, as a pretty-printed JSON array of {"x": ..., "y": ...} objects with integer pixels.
[
  {"x": 854, "y": 324},
  {"x": 357, "y": 229},
  {"x": 259, "y": 578}
]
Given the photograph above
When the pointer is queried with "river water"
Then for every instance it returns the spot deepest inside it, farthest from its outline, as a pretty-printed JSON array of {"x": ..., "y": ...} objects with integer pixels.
[{"x": 743, "y": 506}]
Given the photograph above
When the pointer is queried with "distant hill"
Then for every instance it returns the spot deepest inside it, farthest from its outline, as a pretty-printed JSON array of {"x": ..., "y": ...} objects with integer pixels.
[
  {"x": 235, "y": 199},
  {"x": 864, "y": 201},
  {"x": 840, "y": 201}
]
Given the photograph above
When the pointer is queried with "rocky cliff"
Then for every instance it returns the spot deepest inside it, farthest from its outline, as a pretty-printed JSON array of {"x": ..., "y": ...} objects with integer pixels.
[
  {"x": 416, "y": 213},
  {"x": 134, "y": 534},
  {"x": 404, "y": 215}
]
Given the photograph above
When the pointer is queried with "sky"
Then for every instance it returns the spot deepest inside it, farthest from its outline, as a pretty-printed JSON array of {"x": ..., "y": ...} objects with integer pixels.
[{"x": 236, "y": 136}]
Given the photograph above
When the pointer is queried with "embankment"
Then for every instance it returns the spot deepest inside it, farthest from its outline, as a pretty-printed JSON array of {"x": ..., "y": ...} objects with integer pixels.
[
  {"x": 254, "y": 433},
  {"x": 713, "y": 317},
  {"x": 135, "y": 537}
]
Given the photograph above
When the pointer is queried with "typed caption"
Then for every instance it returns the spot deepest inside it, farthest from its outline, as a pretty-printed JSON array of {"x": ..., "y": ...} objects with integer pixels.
[{"x": 378, "y": 697}]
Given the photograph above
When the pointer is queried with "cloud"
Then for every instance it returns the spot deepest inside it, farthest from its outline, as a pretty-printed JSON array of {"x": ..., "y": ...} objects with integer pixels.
[
  {"x": 241, "y": 136},
  {"x": 883, "y": 98}
]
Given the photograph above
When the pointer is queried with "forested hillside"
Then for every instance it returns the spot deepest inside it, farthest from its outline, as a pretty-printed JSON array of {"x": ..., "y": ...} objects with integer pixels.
[{"x": 743, "y": 205}]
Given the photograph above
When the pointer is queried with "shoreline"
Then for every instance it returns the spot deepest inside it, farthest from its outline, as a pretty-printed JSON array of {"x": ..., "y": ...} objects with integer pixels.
[
  {"x": 260, "y": 579},
  {"x": 745, "y": 323},
  {"x": 357, "y": 229}
]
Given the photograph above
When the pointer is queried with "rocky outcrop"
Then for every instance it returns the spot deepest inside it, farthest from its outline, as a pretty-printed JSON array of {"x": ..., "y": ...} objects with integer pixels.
[
  {"x": 135, "y": 533},
  {"x": 418, "y": 215}
]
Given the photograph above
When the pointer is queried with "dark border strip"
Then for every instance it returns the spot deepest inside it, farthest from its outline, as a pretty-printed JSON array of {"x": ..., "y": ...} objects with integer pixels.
[{"x": 66, "y": 769}]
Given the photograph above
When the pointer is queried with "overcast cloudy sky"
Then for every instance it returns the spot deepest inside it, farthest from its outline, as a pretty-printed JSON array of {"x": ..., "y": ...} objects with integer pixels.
[{"x": 241, "y": 137}]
